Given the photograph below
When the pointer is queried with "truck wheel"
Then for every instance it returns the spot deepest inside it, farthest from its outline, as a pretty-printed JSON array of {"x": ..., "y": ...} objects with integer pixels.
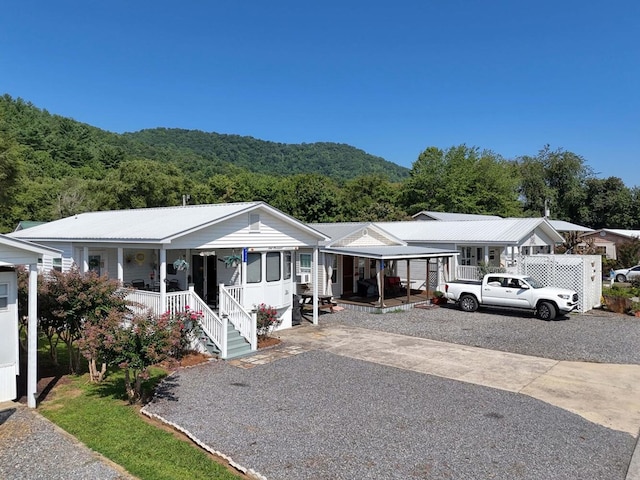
[
  {"x": 621, "y": 278},
  {"x": 468, "y": 303},
  {"x": 546, "y": 311}
]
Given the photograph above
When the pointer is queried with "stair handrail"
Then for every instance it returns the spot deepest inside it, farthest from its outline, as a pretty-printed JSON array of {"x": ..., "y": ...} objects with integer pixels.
[
  {"x": 212, "y": 325},
  {"x": 240, "y": 318}
]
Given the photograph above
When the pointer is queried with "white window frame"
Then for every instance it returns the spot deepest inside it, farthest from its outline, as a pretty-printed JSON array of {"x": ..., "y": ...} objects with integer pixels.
[{"x": 305, "y": 269}]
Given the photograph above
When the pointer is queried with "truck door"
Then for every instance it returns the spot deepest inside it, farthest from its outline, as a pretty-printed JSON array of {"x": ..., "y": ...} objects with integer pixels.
[{"x": 493, "y": 291}]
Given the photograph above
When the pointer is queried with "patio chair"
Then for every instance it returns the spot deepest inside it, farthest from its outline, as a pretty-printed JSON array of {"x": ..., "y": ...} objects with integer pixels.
[{"x": 138, "y": 283}]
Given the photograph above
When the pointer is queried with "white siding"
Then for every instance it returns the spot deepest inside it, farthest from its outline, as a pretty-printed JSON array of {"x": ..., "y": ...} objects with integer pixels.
[{"x": 236, "y": 232}]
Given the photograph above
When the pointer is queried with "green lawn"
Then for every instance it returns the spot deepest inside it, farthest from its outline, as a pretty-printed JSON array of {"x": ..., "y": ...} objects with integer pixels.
[{"x": 98, "y": 416}]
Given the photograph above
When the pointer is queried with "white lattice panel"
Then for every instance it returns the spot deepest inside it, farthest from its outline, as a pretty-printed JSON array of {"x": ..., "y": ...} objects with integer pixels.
[{"x": 582, "y": 273}]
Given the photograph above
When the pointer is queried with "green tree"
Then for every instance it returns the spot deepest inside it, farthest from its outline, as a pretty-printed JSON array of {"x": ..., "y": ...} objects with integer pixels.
[
  {"x": 463, "y": 180},
  {"x": 608, "y": 204},
  {"x": 558, "y": 178},
  {"x": 309, "y": 198}
]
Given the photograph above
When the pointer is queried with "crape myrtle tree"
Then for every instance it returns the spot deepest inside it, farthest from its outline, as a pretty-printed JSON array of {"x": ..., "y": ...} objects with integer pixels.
[
  {"x": 461, "y": 179},
  {"x": 68, "y": 301}
]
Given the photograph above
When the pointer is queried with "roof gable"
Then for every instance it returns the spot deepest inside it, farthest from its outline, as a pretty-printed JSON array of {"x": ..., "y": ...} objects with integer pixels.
[
  {"x": 149, "y": 225},
  {"x": 356, "y": 234}
]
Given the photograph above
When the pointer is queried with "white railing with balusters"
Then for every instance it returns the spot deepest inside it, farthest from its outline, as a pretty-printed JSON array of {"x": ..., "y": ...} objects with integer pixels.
[
  {"x": 235, "y": 291},
  {"x": 467, "y": 272},
  {"x": 142, "y": 301},
  {"x": 212, "y": 325},
  {"x": 231, "y": 308}
]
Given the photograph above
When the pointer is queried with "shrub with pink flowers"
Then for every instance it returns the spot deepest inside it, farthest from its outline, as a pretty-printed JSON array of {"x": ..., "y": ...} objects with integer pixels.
[
  {"x": 134, "y": 344},
  {"x": 267, "y": 318}
]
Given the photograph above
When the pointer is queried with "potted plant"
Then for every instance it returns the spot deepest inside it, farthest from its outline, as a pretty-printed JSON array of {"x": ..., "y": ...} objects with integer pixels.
[{"x": 438, "y": 298}]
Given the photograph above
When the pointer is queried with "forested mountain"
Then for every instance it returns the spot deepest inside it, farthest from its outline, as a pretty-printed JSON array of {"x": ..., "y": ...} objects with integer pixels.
[
  {"x": 52, "y": 167},
  {"x": 334, "y": 160}
]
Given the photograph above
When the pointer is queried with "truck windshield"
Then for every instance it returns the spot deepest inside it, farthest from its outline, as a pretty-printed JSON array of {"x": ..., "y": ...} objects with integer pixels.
[{"x": 533, "y": 282}]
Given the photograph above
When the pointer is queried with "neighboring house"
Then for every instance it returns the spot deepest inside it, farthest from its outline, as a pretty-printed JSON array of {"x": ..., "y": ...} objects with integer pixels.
[
  {"x": 607, "y": 240},
  {"x": 360, "y": 255},
  {"x": 492, "y": 242},
  {"x": 14, "y": 253},
  {"x": 452, "y": 217},
  {"x": 223, "y": 259}
]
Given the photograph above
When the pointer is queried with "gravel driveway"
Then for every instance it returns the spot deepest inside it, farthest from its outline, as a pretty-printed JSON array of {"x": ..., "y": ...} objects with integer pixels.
[
  {"x": 323, "y": 416},
  {"x": 597, "y": 336}
]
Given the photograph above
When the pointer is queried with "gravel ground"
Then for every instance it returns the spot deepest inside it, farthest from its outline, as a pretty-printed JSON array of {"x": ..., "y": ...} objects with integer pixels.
[
  {"x": 321, "y": 416},
  {"x": 32, "y": 448},
  {"x": 597, "y": 336}
]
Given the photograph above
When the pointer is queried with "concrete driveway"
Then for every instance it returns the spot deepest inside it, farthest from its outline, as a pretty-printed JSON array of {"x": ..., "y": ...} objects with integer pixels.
[{"x": 338, "y": 401}]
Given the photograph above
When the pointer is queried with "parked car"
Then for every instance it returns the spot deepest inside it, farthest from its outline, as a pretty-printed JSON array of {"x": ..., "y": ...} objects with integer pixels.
[
  {"x": 512, "y": 291},
  {"x": 625, "y": 274}
]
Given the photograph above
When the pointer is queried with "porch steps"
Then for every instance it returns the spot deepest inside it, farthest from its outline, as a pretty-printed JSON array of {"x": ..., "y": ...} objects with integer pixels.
[{"x": 237, "y": 345}]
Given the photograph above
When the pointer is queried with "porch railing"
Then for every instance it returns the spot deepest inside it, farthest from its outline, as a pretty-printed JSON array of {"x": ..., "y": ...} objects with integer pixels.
[
  {"x": 212, "y": 325},
  {"x": 467, "y": 272},
  {"x": 142, "y": 301},
  {"x": 231, "y": 308}
]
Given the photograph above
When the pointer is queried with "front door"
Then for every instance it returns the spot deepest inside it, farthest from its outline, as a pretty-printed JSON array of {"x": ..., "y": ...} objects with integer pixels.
[
  {"x": 205, "y": 277},
  {"x": 347, "y": 275}
]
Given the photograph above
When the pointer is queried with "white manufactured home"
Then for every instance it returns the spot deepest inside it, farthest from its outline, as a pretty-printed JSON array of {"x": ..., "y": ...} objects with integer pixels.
[{"x": 222, "y": 259}]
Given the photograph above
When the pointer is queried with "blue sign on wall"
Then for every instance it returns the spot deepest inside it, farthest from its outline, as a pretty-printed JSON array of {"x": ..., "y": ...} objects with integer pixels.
[{"x": 244, "y": 255}]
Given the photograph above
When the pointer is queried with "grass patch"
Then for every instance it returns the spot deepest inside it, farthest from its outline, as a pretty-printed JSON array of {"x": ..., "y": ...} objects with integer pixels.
[{"x": 99, "y": 417}]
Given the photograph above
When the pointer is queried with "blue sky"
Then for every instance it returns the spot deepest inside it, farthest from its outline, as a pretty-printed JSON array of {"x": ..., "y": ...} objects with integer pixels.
[{"x": 391, "y": 78}]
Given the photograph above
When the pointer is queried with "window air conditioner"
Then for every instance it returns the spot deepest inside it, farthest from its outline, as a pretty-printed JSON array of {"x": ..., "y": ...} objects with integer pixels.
[{"x": 304, "y": 277}]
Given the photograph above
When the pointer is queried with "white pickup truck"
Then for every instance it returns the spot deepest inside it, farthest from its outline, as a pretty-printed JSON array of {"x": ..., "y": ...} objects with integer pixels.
[{"x": 512, "y": 291}]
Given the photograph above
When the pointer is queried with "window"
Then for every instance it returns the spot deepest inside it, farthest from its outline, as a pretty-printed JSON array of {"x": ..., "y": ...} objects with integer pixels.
[
  {"x": 57, "y": 264},
  {"x": 4, "y": 295},
  {"x": 334, "y": 271},
  {"x": 305, "y": 262},
  {"x": 287, "y": 265},
  {"x": 273, "y": 266},
  {"x": 254, "y": 267}
]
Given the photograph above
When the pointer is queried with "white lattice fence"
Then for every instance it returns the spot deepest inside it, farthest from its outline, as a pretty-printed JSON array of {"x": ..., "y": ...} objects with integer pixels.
[{"x": 582, "y": 273}]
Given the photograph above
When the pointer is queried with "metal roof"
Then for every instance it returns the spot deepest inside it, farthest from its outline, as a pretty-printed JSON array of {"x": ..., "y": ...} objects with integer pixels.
[
  {"x": 392, "y": 252},
  {"x": 150, "y": 225},
  {"x": 562, "y": 226},
  {"x": 341, "y": 230},
  {"x": 501, "y": 231},
  {"x": 624, "y": 233},
  {"x": 452, "y": 217},
  {"x": 337, "y": 231}
]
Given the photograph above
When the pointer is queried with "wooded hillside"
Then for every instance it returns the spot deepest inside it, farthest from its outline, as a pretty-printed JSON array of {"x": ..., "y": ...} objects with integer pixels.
[{"x": 52, "y": 167}]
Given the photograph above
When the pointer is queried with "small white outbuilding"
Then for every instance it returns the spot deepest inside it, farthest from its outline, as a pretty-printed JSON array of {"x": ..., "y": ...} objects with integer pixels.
[{"x": 13, "y": 253}]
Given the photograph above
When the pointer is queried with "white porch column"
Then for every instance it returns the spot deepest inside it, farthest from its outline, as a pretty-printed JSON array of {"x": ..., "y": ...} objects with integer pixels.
[
  {"x": 314, "y": 274},
  {"x": 163, "y": 277},
  {"x": 85, "y": 260},
  {"x": 32, "y": 337},
  {"x": 121, "y": 265},
  {"x": 380, "y": 280},
  {"x": 486, "y": 255}
]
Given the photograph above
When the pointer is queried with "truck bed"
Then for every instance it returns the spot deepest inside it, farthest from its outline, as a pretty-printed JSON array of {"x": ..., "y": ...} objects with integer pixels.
[{"x": 467, "y": 282}]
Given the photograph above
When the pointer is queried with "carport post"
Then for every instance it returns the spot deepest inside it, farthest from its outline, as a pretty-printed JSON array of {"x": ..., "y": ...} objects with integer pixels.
[
  {"x": 32, "y": 337},
  {"x": 408, "y": 281}
]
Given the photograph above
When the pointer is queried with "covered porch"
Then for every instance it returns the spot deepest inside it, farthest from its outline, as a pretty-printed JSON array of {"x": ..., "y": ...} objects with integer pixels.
[{"x": 384, "y": 289}]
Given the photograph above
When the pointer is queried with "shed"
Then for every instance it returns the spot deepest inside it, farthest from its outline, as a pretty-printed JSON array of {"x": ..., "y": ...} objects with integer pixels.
[{"x": 13, "y": 253}]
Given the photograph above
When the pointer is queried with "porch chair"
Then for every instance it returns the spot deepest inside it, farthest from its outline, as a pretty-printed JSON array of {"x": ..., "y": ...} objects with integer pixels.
[{"x": 138, "y": 283}]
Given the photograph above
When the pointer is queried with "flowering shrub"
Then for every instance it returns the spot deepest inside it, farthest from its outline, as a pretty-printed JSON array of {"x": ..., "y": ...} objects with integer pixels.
[
  {"x": 267, "y": 319},
  {"x": 136, "y": 343}
]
